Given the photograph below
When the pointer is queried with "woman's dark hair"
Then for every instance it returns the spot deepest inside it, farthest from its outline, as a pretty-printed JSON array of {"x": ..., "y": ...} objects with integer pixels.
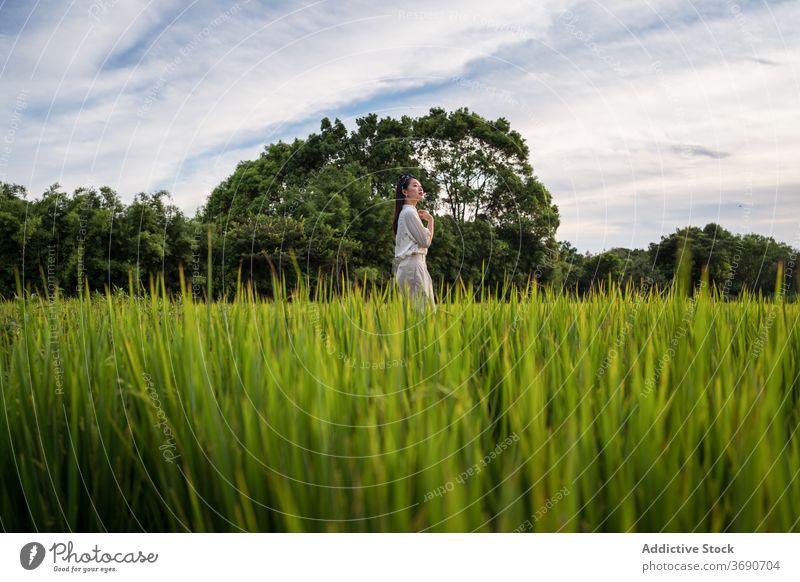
[{"x": 400, "y": 199}]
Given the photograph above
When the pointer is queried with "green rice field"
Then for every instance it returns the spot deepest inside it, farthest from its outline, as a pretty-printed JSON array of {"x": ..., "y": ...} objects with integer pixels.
[{"x": 540, "y": 412}]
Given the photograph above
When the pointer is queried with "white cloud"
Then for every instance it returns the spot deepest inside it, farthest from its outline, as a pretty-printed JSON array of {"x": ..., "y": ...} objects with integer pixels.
[
  {"x": 220, "y": 74},
  {"x": 634, "y": 135},
  {"x": 635, "y": 113}
]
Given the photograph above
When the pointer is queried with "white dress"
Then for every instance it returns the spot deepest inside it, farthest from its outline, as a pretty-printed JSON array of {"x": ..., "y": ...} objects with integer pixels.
[{"x": 410, "y": 248}]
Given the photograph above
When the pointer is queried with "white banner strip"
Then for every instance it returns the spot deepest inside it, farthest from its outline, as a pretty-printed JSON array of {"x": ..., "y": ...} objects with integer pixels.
[{"x": 390, "y": 557}]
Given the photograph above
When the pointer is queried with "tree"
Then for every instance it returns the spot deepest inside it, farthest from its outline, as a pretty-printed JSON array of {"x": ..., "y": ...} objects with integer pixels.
[
  {"x": 598, "y": 269},
  {"x": 160, "y": 239},
  {"x": 12, "y": 225},
  {"x": 567, "y": 265},
  {"x": 343, "y": 184},
  {"x": 481, "y": 167}
]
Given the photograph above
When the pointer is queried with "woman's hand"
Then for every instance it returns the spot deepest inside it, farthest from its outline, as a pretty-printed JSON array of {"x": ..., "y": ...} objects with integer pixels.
[{"x": 426, "y": 216}]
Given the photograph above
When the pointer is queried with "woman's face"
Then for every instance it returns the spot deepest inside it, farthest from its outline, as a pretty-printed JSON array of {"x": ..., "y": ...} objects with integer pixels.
[{"x": 414, "y": 191}]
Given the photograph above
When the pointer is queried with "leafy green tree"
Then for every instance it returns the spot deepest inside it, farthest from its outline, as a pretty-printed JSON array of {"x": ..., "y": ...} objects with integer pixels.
[
  {"x": 734, "y": 262},
  {"x": 500, "y": 214},
  {"x": 159, "y": 239},
  {"x": 567, "y": 265},
  {"x": 482, "y": 168},
  {"x": 598, "y": 269},
  {"x": 386, "y": 147},
  {"x": 14, "y": 234},
  {"x": 328, "y": 201},
  {"x": 754, "y": 264}
]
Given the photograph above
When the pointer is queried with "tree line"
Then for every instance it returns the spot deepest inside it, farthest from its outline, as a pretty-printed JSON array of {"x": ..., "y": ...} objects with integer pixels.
[{"x": 322, "y": 206}]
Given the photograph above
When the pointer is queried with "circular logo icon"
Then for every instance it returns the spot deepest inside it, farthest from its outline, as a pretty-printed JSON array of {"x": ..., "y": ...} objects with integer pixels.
[{"x": 31, "y": 555}]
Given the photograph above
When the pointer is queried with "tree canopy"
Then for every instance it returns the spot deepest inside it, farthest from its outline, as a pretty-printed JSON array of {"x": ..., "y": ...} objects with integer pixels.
[{"x": 327, "y": 201}]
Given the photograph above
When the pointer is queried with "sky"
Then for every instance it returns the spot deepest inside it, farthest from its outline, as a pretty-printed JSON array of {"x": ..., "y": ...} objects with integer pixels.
[{"x": 641, "y": 116}]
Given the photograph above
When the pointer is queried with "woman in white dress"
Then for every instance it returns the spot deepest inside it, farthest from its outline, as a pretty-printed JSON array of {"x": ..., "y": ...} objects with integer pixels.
[{"x": 412, "y": 240}]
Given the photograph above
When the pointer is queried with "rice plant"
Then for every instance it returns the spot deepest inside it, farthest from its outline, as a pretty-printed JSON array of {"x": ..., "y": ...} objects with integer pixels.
[{"x": 343, "y": 410}]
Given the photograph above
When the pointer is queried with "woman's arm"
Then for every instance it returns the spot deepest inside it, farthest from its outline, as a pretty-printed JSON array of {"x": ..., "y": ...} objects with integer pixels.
[
  {"x": 427, "y": 216},
  {"x": 421, "y": 235}
]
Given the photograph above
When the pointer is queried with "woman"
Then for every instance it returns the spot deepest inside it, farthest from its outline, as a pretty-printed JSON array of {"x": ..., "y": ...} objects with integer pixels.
[{"x": 412, "y": 240}]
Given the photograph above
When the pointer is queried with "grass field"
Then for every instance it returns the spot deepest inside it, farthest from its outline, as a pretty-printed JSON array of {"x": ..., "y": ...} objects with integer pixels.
[{"x": 619, "y": 412}]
